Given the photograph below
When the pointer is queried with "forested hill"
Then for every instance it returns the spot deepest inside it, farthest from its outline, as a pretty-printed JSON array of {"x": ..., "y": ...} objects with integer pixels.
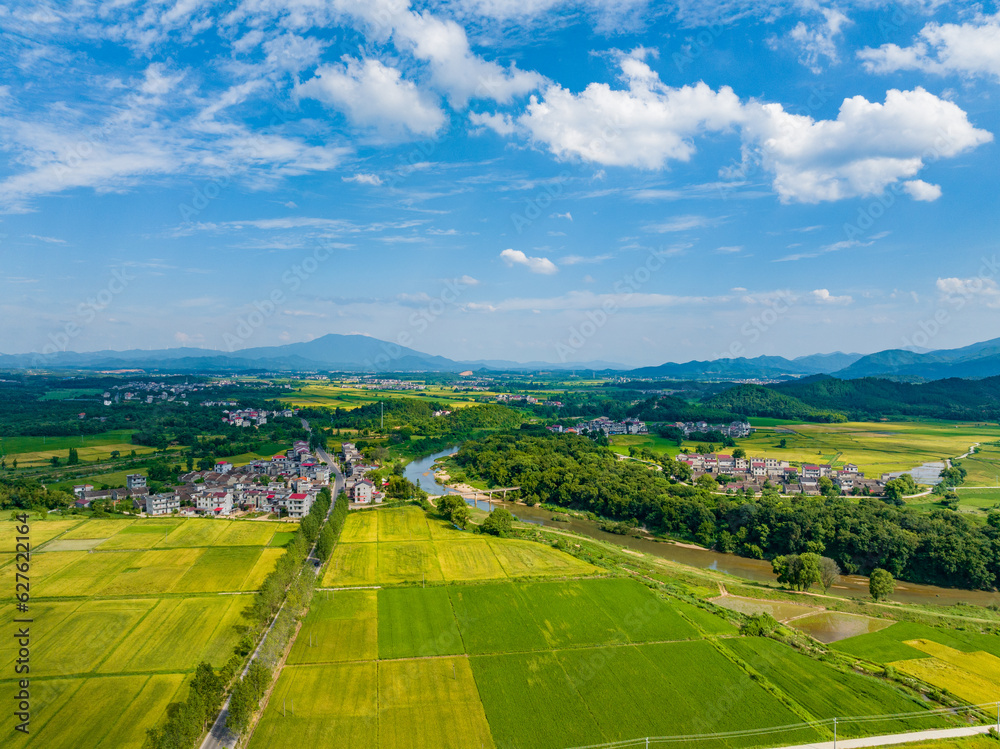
[
  {"x": 756, "y": 400},
  {"x": 873, "y": 398},
  {"x": 824, "y": 398}
]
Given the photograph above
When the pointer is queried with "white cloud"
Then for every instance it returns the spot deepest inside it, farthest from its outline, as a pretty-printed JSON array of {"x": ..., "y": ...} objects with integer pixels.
[
  {"x": 819, "y": 41},
  {"x": 867, "y": 148},
  {"x": 469, "y": 281},
  {"x": 535, "y": 264},
  {"x": 966, "y": 49},
  {"x": 444, "y": 46},
  {"x": 920, "y": 190},
  {"x": 959, "y": 291},
  {"x": 500, "y": 123},
  {"x": 364, "y": 179},
  {"x": 374, "y": 95},
  {"x": 823, "y": 296},
  {"x": 730, "y": 249},
  {"x": 645, "y": 125}
]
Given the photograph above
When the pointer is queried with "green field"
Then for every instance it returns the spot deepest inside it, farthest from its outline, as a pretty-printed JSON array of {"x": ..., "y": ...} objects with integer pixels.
[
  {"x": 585, "y": 696},
  {"x": 37, "y": 451},
  {"x": 889, "y": 645},
  {"x": 340, "y": 626},
  {"x": 416, "y": 622},
  {"x": 984, "y": 467},
  {"x": 824, "y": 691}
]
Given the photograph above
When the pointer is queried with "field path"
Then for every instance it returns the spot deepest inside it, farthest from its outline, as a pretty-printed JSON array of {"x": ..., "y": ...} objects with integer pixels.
[{"x": 897, "y": 738}]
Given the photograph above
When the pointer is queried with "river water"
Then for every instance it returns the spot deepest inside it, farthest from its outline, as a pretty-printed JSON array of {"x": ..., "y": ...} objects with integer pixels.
[{"x": 756, "y": 570}]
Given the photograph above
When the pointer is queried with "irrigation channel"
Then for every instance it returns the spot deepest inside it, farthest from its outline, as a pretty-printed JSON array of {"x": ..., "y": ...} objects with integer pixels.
[{"x": 756, "y": 570}]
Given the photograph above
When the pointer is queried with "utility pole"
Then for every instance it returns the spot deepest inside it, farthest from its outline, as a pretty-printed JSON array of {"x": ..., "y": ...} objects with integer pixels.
[{"x": 834, "y": 733}]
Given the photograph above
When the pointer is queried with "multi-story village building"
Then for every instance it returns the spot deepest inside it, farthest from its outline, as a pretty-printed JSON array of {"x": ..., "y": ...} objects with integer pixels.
[{"x": 162, "y": 504}]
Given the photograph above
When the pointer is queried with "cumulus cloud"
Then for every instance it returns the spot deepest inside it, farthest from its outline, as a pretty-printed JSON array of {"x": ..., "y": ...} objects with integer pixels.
[
  {"x": 645, "y": 125},
  {"x": 374, "y": 95},
  {"x": 500, "y": 123},
  {"x": 920, "y": 190},
  {"x": 967, "y": 49},
  {"x": 540, "y": 265},
  {"x": 444, "y": 46},
  {"x": 959, "y": 291},
  {"x": 867, "y": 148},
  {"x": 823, "y": 296}
]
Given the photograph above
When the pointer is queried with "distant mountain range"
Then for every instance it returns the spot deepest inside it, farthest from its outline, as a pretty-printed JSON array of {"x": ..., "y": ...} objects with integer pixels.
[
  {"x": 360, "y": 353},
  {"x": 332, "y": 352}
]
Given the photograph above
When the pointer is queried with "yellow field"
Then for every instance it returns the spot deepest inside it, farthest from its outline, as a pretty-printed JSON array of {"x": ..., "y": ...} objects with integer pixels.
[
  {"x": 469, "y": 560},
  {"x": 528, "y": 559},
  {"x": 452, "y": 555},
  {"x": 39, "y": 532},
  {"x": 444, "y": 712},
  {"x": 404, "y": 524},
  {"x": 179, "y": 633},
  {"x": 194, "y": 532},
  {"x": 98, "y": 529},
  {"x": 352, "y": 564},
  {"x": 875, "y": 447},
  {"x": 362, "y": 528},
  {"x": 265, "y": 564},
  {"x": 408, "y": 562},
  {"x": 156, "y": 571}
]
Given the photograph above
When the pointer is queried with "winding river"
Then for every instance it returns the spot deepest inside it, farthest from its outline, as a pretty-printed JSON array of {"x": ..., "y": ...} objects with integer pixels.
[{"x": 756, "y": 570}]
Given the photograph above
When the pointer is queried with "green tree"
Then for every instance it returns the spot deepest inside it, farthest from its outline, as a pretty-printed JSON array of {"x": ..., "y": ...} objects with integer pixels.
[
  {"x": 783, "y": 442},
  {"x": 798, "y": 571},
  {"x": 54, "y": 461},
  {"x": 498, "y": 523},
  {"x": 881, "y": 584},
  {"x": 705, "y": 481},
  {"x": 73, "y": 458},
  {"x": 739, "y": 453}
]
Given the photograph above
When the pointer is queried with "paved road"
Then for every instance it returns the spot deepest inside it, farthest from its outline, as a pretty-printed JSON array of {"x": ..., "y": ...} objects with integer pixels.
[
  {"x": 220, "y": 737},
  {"x": 897, "y": 738}
]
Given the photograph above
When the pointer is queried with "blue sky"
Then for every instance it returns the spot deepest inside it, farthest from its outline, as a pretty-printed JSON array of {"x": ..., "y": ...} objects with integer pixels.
[{"x": 624, "y": 180}]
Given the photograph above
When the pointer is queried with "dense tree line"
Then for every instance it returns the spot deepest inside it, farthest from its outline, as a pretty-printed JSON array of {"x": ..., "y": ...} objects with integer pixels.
[
  {"x": 28, "y": 494},
  {"x": 872, "y": 398},
  {"x": 941, "y": 547}
]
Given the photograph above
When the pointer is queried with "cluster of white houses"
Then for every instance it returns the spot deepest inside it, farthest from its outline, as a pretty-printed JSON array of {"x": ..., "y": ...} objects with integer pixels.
[
  {"x": 603, "y": 424},
  {"x": 735, "y": 429},
  {"x": 287, "y": 483},
  {"x": 361, "y": 489},
  {"x": 252, "y": 417},
  {"x": 751, "y": 473}
]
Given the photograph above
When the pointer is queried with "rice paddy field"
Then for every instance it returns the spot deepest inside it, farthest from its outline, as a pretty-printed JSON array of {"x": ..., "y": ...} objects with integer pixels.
[
  {"x": 964, "y": 663},
  {"x": 119, "y": 627},
  {"x": 346, "y": 396},
  {"x": 481, "y": 657},
  {"x": 875, "y": 447},
  {"x": 36, "y": 451},
  {"x": 392, "y": 547}
]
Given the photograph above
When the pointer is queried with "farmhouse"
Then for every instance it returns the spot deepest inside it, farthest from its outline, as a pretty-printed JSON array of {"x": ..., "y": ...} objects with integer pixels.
[{"x": 162, "y": 504}]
